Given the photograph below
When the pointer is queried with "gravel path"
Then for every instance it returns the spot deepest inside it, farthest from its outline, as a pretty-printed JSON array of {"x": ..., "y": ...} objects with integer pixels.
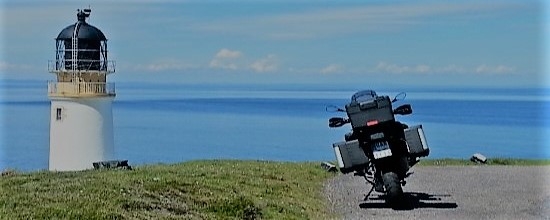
[{"x": 451, "y": 192}]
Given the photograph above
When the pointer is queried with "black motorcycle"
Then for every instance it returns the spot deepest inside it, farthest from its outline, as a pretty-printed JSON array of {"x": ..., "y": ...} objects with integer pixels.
[{"x": 379, "y": 148}]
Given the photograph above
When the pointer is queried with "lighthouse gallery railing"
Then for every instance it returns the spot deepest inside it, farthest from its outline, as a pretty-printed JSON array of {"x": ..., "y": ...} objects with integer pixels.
[{"x": 75, "y": 89}]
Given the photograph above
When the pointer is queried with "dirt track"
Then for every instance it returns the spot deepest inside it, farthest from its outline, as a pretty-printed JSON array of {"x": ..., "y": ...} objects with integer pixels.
[{"x": 451, "y": 192}]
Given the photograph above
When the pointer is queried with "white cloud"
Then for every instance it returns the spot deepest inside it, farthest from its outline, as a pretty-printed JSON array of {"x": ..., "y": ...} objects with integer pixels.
[
  {"x": 332, "y": 68},
  {"x": 226, "y": 53},
  {"x": 267, "y": 64},
  {"x": 233, "y": 60},
  {"x": 166, "y": 66},
  {"x": 394, "y": 68},
  {"x": 226, "y": 59},
  {"x": 452, "y": 69},
  {"x": 423, "y": 68},
  {"x": 384, "y": 67},
  {"x": 499, "y": 69}
]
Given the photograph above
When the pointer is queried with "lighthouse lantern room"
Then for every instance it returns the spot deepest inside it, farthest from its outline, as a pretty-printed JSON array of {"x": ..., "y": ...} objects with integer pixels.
[{"x": 81, "y": 121}]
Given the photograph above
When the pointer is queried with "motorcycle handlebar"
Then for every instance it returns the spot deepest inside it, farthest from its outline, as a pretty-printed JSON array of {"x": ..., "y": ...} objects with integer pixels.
[
  {"x": 337, "y": 122},
  {"x": 333, "y": 108},
  {"x": 403, "y": 110}
]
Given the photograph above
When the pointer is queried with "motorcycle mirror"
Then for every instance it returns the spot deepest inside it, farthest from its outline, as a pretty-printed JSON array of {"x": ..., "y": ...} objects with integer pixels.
[
  {"x": 403, "y": 110},
  {"x": 333, "y": 108},
  {"x": 398, "y": 97},
  {"x": 337, "y": 122}
]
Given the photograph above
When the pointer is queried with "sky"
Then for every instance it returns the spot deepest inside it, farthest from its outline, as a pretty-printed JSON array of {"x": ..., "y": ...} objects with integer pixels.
[{"x": 422, "y": 43}]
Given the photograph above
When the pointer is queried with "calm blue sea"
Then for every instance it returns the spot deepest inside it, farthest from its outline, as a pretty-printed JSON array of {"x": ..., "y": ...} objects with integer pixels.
[{"x": 171, "y": 122}]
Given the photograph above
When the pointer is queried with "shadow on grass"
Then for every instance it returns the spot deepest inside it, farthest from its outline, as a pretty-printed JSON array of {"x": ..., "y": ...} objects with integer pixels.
[{"x": 411, "y": 200}]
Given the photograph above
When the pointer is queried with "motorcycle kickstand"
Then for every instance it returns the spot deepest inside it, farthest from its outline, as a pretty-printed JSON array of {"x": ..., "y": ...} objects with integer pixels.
[
  {"x": 368, "y": 194},
  {"x": 371, "y": 189}
]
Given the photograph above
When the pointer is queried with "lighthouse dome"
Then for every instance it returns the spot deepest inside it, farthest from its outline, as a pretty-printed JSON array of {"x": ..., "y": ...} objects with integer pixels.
[{"x": 85, "y": 30}]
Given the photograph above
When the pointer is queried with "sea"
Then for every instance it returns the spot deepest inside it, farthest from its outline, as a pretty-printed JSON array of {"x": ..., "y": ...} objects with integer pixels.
[{"x": 171, "y": 122}]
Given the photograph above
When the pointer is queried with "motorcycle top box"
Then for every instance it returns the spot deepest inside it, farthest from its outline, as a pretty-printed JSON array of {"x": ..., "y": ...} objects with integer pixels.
[{"x": 366, "y": 109}]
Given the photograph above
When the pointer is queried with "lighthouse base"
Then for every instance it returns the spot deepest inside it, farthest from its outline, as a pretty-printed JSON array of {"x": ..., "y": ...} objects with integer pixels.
[{"x": 81, "y": 132}]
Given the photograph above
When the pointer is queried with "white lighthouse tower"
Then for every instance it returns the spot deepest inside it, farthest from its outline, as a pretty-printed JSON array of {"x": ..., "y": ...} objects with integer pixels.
[{"x": 81, "y": 121}]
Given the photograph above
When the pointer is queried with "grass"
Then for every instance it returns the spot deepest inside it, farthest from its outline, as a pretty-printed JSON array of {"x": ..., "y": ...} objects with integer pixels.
[
  {"x": 192, "y": 190},
  {"x": 214, "y": 189}
]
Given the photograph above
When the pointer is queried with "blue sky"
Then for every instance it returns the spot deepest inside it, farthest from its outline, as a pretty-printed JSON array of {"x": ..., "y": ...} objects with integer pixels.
[{"x": 393, "y": 43}]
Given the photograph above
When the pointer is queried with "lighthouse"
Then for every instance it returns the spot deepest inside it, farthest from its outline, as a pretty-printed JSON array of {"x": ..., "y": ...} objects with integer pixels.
[{"x": 81, "y": 121}]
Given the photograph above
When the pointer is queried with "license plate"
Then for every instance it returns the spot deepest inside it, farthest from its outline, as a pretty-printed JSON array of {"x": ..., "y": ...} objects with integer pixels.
[{"x": 381, "y": 149}]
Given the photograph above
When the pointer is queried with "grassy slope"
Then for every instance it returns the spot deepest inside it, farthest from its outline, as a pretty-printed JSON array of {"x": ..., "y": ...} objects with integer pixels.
[{"x": 190, "y": 190}]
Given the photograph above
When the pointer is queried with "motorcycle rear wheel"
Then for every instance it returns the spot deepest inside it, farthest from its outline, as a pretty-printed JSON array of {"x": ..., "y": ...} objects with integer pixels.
[{"x": 394, "y": 191}]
